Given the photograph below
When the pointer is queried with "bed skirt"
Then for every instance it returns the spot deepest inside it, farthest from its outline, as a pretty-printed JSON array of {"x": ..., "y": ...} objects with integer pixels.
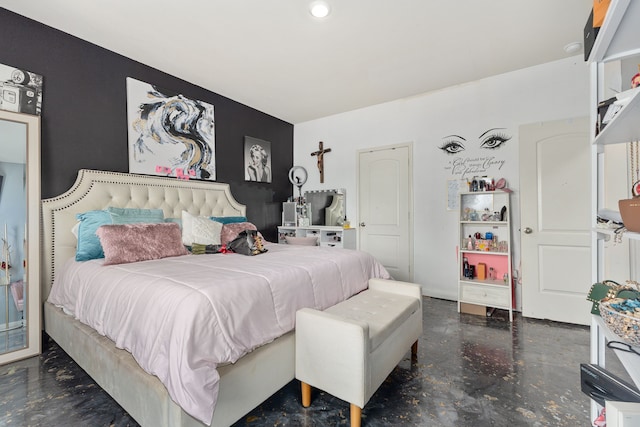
[{"x": 243, "y": 385}]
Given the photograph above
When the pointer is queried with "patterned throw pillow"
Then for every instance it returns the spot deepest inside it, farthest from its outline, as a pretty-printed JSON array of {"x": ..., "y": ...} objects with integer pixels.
[{"x": 200, "y": 229}]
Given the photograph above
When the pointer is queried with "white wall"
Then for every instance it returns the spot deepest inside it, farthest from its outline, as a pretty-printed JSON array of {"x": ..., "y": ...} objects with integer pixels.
[{"x": 551, "y": 91}]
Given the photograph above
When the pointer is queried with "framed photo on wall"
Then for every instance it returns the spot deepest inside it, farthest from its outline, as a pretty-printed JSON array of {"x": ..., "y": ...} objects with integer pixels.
[
  {"x": 20, "y": 90},
  {"x": 169, "y": 134},
  {"x": 257, "y": 160}
]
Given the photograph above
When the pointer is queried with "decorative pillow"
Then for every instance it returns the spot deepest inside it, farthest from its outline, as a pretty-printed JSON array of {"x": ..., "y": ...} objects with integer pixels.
[
  {"x": 200, "y": 229},
  {"x": 75, "y": 229},
  {"x": 88, "y": 243},
  {"x": 125, "y": 243},
  {"x": 133, "y": 215},
  {"x": 176, "y": 220},
  {"x": 231, "y": 231},
  {"x": 229, "y": 219}
]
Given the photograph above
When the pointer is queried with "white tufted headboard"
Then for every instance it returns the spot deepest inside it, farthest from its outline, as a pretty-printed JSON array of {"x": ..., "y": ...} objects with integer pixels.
[{"x": 99, "y": 190}]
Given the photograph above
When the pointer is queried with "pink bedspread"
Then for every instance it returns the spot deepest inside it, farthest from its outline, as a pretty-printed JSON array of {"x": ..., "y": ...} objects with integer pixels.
[{"x": 181, "y": 317}]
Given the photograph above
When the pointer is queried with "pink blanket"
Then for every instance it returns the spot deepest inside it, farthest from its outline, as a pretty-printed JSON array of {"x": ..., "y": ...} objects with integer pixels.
[{"x": 181, "y": 317}]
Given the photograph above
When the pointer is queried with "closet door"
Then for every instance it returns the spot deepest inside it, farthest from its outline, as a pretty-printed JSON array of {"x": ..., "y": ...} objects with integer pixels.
[{"x": 555, "y": 222}]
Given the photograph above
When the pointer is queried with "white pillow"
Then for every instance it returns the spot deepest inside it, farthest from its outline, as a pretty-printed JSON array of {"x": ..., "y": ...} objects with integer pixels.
[{"x": 200, "y": 229}]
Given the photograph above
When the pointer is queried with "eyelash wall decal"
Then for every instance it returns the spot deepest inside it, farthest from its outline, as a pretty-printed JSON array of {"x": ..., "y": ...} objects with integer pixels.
[
  {"x": 494, "y": 141},
  {"x": 452, "y": 146}
]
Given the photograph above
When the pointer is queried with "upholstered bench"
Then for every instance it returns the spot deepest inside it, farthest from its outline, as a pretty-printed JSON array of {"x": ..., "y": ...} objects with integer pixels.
[{"x": 349, "y": 349}]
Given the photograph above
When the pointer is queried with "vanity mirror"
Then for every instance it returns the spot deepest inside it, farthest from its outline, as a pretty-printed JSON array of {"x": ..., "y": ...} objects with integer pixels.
[
  {"x": 20, "y": 312},
  {"x": 328, "y": 207}
]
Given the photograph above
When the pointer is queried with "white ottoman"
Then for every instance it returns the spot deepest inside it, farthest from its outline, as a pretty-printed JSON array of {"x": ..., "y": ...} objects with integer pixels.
[{"x": 349, "y": 349}]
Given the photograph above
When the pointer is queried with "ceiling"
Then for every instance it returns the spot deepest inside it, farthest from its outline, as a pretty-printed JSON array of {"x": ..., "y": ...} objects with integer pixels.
[{"x": 272, "y": 55}]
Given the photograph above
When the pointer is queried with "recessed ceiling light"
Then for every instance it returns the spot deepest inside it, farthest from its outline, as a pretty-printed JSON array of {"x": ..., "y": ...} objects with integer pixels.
[
  {"x": 573, "y": 47},
  {"x": 319, "y": 9}
]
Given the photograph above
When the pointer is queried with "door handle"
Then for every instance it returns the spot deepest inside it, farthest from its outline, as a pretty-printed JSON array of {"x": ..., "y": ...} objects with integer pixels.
[
  {"x": 528, "y": 230},
  {"x": 362, "y": 224}
]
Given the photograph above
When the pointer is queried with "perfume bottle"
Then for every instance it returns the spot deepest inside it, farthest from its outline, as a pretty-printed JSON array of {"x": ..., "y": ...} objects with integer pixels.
[{"x": 474, "y": 184}]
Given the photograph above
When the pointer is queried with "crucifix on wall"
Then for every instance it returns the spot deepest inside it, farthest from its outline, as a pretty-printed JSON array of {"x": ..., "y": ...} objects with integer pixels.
[{"x": 320, "y": 153}]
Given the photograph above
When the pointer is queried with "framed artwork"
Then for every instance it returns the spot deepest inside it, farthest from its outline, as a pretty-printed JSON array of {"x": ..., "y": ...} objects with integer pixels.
[
  {"x": 169, "y": 134},
  {"x": 20, "y": 90},
  {"x": 257, "y": 160}
]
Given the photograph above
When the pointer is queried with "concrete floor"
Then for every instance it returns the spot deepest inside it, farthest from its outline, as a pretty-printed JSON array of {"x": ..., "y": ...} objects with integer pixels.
[{"x": 471, "y": 371}]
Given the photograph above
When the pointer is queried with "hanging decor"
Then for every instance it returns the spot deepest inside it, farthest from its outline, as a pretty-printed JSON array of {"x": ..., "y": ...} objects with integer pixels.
[
  {"x": 634, "y": 157},
  {"x": 257, "y": 160},
  {"x": 630, "y": 208},
  {"x": 320, "y": 154},
  {"x": 169, "y": 134},
  {"x": 21, "y": 90}
]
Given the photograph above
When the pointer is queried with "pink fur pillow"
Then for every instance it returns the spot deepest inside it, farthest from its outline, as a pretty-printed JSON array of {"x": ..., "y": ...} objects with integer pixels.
[
  {"x": 231, "y": 231},
  {"x": 125, "y": 243}
]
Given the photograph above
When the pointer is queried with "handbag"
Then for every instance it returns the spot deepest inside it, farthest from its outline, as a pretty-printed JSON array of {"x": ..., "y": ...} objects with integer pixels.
[
  {"x": 608, "y": 289},
  {"x": 630, "y": 213},
  {"x": 248, "y": 242},
  {"x": 600, "y": 8}
]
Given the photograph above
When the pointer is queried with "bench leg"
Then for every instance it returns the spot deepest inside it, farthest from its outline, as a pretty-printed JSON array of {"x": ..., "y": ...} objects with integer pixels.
[
  {"x": 306, "y": 394},
  {"x": 414, "y": 351},
  {"x": 356, "y": 415}
]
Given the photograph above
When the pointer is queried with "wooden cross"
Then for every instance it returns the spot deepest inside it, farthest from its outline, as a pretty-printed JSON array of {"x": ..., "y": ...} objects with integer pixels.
[{"x": 320, "y": 153}]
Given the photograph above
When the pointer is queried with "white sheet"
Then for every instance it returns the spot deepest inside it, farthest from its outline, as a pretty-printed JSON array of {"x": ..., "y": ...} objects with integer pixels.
[{"x": 181, "y": 317}]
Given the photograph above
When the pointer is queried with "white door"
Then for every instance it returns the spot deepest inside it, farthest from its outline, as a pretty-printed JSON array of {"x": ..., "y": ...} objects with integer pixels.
[
  {"x": 555, "y": 227},
  {"x": 385, "y": 208}
]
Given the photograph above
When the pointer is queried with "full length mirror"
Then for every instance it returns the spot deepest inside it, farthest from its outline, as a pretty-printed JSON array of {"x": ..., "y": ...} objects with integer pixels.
[{"x": 20, "y": 319}]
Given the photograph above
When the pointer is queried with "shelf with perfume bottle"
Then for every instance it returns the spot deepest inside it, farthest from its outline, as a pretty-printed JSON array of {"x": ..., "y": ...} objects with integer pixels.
[
  {"x": 483, "y": 242},
  {"x": 485, "y": 250}
]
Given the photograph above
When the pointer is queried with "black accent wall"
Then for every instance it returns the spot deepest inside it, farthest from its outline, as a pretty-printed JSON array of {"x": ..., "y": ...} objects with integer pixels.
[{"x": 84, "y": 116}]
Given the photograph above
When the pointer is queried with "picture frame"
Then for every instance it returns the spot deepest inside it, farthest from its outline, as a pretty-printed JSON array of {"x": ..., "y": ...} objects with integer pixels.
[
  {"x": 20, "y": 90},
  {"x": 169, "y": 134},
  {"x": 257, "y": 160}
]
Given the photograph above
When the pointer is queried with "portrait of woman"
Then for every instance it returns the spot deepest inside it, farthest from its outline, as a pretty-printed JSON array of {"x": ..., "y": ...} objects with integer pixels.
[{"x": 257, "y": 154}]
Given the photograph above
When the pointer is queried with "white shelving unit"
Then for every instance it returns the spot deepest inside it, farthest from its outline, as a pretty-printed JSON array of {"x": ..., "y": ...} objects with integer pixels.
[
  {"x": 480, "y": 213},
  {"x": 608, "y": 233},
  {"x": 617, "y": 40},
  {"x": 624, "y": 126},
  {"x": 329, "y": 236}
]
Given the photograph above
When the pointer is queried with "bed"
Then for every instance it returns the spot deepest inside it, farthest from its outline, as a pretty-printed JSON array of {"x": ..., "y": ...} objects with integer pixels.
[{"x": 242, "y": 385}]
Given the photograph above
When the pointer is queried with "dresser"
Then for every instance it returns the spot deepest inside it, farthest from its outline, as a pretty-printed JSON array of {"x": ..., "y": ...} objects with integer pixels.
[{"x": 328, "y": 236}]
